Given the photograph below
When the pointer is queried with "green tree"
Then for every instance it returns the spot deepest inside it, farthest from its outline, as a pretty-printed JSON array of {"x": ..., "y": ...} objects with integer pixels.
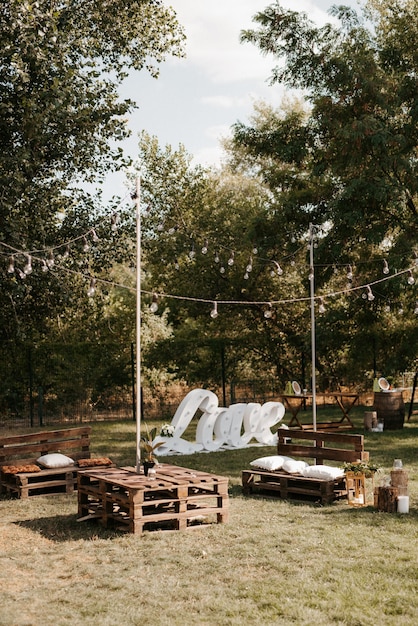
[
  {"x": 349, "y": 167},
  {"x": 61, "y": 63},
  {"x": 207, "y": 239}
]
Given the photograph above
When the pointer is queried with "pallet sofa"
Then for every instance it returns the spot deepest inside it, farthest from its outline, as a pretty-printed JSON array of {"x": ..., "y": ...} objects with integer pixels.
[
  {"x": 22, "y": 476},
  {"x": 319, "y": 446}
]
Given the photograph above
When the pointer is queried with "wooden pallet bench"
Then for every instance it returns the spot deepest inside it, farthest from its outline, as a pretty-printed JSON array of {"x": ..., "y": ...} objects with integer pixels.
[
  {"x": 301, "y": 444},
  {"x": 23, "y": 451},
  {"x": 176, "y": 498}
]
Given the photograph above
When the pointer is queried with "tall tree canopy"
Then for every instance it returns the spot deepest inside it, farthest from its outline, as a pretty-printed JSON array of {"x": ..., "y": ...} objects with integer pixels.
[
  {"x": 61, "y": 63},
  {"x": 349, "y": 164}
]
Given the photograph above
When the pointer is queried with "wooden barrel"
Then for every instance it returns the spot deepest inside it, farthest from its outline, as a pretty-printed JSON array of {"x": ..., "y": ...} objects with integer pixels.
[{"x": 390, "y": 409}]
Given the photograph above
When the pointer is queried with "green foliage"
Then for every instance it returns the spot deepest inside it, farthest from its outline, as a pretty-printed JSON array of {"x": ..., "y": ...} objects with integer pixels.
[{"x": 61, "y": 119}]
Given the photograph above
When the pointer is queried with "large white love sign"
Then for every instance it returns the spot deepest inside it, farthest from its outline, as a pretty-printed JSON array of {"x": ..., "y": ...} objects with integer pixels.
[{"x": 219, "y": 427}]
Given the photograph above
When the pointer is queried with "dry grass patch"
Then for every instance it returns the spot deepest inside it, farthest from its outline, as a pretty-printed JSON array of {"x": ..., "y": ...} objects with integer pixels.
[{"x": 276, "y": 562}]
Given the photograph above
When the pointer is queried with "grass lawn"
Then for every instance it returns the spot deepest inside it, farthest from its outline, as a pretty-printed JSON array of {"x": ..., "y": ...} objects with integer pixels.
[{"x": 275, "y": 563}]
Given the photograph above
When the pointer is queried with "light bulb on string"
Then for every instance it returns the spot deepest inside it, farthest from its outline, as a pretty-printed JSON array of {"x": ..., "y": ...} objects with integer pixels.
[
  {"x": 66, "y": 253},
  {"x": 92, "y": 288},
  {"x": 114, "y": 222},
  {"x": 176, "y": 264},
  {"x": 249, "y": 267},
  {"x": 231, "y": 258},
  {"x": 222, "y": 269},
  {"x": 86, "y": 246},
  {"x": 387, "y": 308},
  {"x": 160, "y": 227},
  {"x": 44, "y": 266},
  {"x": 410, "y": 279},
  {"x": 369, "y": 294},
  {"x": 192, "y": 252},
  {"x": 277, "y": 269},
  {"x": 50, "y": 260},
  {"x": 11, "y": 267},
  {"x": 385, "y": 267},
  {"x": 94, "y": 235},
  {"x": 400, "y": 311},
  {"x": 311, "y": 273},
  {"x": 205, "y": 247},
  {"x": 268, "y": 312},
  {"x": 416, "y": 308},
  {"x": 28, "y": 266},
  {"x": 214, "y": 311},
  {"x": 255, "y": 250},
  {"x": 349, "y": 273},
  {"x": 154, "y": 304},
  {"x": 21, "y": 274},
  {"x": 246, "y": 276},
  {"x": 321, "y": 307},
  {"x": 172, "y": 230},
  {"x": 216, "y": 259}
]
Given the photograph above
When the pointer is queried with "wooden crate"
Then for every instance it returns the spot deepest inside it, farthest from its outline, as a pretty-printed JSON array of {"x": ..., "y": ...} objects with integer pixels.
[
  {"x": 293, "y": 487},
  {"x": 176, "y": 498}
]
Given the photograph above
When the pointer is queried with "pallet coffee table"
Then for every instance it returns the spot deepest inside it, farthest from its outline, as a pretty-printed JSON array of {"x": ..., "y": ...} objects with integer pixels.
[{"x": 176, "y": 498}]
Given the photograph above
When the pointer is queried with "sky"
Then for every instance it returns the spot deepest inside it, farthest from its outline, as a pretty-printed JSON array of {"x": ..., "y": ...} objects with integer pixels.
[{"x": 196, "y": 100}]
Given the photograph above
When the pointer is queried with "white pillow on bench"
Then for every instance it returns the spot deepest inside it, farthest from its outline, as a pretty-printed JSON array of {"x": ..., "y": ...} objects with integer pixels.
[
  {"x": 291, "y": 466},
  {"x": 270, "y": 463},
  {"x": 325, "y": 472},
  {"x": 54, "y": 459}
]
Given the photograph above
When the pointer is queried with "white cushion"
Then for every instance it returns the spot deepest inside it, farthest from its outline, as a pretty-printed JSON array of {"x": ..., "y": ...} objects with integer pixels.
[
  {"x": 294, "y": 467},
  {"x": 55, "y": 460},
  {"x": 323, "y": 471},
  {"x": 270, "y": 462}
]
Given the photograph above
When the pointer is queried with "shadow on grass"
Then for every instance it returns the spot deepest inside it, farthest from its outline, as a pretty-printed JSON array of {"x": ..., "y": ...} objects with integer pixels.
[{"x": 61, "y": 528}]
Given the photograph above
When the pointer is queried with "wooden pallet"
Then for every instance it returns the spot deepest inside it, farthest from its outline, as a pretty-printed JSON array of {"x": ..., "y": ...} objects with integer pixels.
[
  {"x": 45, "y": 482},
  {"x": 177, "y": 498},
  {"x": 294, "y": 487}
]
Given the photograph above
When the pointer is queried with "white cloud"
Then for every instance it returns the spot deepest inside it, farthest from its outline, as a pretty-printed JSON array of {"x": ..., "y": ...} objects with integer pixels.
[{"x": 213, "y": 35}]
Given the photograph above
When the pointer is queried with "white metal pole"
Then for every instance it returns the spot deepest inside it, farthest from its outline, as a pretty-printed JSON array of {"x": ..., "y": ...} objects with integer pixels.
[
  {"x": 138, "y": 323},
  {"x": 312, "y": 294}
]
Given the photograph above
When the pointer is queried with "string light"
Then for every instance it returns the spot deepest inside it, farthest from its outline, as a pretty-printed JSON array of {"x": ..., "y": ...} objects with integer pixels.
[
  {"x": 278, "y": 270},
  {"x": 321, "y": 307},
  {"x": 92, "y": 288},
  {"x": 416, "y": 308},
  {"x": 350, "y": 273},
  {"x": 28, "y": 266},
  {"x": 311, "y": 273},
  {"x": 94, "y": 235},
  {"x": 385, "y": 267},
  {"x": 11, "y": 267},
  {"x": 216, "y": 259},
  {"x": 410, "y": 278},
  {"x": 50, "y": 260},
  {"x": 205, "y": 247},
  {"x": 214, "y": 311},
  {"x": 231, "y": 259},
  {"x": 114, "y": 222},
  {"x": 368, "y": 294},
  {"x": 249, "y": 267},
  {"x": 154, "y": 304},
  {"x": 268, "y": 313}
]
